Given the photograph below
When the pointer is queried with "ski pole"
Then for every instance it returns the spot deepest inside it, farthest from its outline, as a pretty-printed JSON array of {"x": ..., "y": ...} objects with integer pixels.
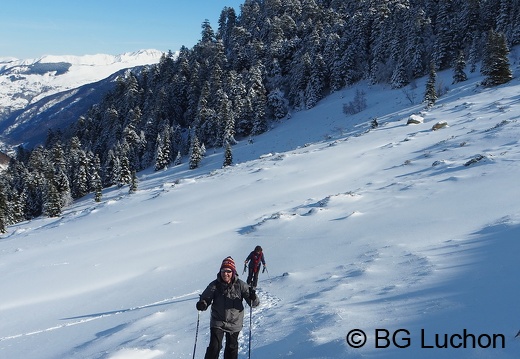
[
  {"x": 250, "y": 327},
  {"x": 245, "y": 267},
  {"x": 196, "y": 334},
  {"x": 268, "y": 276}
]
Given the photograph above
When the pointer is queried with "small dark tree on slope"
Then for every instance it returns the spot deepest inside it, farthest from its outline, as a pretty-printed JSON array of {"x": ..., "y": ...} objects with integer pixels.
[
  {"x": 228, "y": 156},
  {"x": 133, "y": 183},
  {"x": 430, "y": 95}
]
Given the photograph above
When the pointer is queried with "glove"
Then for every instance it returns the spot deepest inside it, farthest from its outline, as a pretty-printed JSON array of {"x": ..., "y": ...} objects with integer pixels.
[
  {"x": 201, "y": 305},
  {"x": 252, "y": 294},
  {"x": 263, "y": 270}
]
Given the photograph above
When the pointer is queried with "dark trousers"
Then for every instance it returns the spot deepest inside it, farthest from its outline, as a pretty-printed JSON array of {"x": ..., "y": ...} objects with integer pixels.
[
  {"x": 252, "y": 278},
  {"x": 215, "y": 344}
]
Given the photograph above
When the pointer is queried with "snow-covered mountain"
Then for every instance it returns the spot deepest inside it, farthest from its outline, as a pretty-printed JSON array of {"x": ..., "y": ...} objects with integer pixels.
[
  {"x": 26, "y": 81},
  {"x": 51, "y": 79},
  {"x": 404, "y": 233}
]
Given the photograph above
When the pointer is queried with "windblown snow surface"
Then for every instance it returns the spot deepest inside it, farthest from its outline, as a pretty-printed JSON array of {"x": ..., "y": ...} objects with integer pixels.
[{"x": 406, "y": 234}]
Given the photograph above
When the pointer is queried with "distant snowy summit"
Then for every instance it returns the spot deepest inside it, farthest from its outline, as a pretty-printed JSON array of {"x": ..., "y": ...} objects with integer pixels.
[
  {"x": 141, "y": 57},
  {"x": 23, "y": 82}
]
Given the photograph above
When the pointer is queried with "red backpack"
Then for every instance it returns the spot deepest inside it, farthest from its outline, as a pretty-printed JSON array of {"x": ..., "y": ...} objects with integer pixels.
[{"x": 255, "y": 260}]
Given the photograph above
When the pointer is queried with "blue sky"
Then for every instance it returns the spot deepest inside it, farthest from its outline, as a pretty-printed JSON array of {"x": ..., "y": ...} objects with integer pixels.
[{"x": 33, "y": 28}]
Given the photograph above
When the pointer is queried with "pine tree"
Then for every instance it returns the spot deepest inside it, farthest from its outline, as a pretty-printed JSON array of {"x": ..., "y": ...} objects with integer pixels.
[
  {"x": 35, "y": 180},
  {"x": 227, "y": 21},
  {"x": 316, "y": 83},
  {"x": 332, "y": 56},
  {"x": 3, "y": 210},
  {"x": 458, "y": 71},
  {"x": 33, "y": 195},
  {"x": 277, "y": 104},
  {"x": 495, "y": 65},
  {"x": 20, "y": 212},
  {"x": 3, "y": 228},
  {"x": 258, "y": 98},
  {"x": 205, "y": 118},
  {"x": 474, "y": 53},
  {"x": 208, "y": 35},
  {"x": 221, "y": 114},
  {"x": 228, "y": 156},
  {"x": 237, "y": 94},
  {"x": 443, "y": 49},
  {"x": 159, "y": 157},
  {"x": 195, "y": 153},
  {"x": 430, "y": 95},
  {"x": 399, "y": 76},
  {"x": 503, "y": 24},
  {"x": 95, "y": 179},
  {"x": 133, "y": 183},
  {"x": 126, "y": 172},
  {"x": 469, "y": 20},
  {"x": 62, "y": 184},
  {"x": 228, "y": 117},
  {"x": 112, "y": 169},
  {"x": 178, "y": 159},
  {"x": 11, "y": 191},
  {"x": 78, "y": 168},
  {"x": 178, "y": 143},
  {"x": 80, "y": 179},
  {"x": 61, "y": 180},
  {"x": 162, "y": 156},
  {"x": 417, "y": 26},
  {"x": 52, "y": 203},
  {"x": 299, "y": 78}
]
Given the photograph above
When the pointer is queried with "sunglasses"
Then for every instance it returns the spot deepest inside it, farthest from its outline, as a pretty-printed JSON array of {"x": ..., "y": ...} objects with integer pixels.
[{"x": 226, "y": 271}]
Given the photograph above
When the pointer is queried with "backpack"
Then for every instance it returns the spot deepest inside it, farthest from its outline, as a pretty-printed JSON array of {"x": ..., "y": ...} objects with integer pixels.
[{"x": 255, "y": 260}]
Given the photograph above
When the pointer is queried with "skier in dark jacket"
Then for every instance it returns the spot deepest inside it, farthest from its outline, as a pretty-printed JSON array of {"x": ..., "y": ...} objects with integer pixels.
[
  {"x": 255, "y": 259},
  {"x": 225, "y": 295}
]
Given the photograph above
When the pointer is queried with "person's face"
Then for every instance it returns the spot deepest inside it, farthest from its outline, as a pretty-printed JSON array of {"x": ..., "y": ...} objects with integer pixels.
[{"x": 226, "y": 275}]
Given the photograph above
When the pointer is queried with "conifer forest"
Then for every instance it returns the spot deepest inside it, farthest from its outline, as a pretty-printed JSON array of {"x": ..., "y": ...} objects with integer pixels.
[{"x": 257, "y": 65}]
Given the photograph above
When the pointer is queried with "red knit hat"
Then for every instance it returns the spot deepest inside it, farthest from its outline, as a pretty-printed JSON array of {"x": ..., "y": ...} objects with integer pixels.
[{"x": 228, "y": 262}]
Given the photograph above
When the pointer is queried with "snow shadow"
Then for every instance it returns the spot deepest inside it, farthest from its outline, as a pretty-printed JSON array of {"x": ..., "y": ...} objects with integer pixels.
[{"x": 472, "y": 300}]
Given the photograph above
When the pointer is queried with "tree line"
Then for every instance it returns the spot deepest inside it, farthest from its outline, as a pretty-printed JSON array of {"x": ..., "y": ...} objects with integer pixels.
[{"x": 274, "y": 57}]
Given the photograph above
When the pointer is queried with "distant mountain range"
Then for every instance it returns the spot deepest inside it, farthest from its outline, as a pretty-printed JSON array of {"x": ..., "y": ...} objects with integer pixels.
[{"x": 51, "y": 91}]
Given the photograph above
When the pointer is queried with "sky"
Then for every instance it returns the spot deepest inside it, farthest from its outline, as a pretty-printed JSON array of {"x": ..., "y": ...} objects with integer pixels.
[
  {"x": 33, "y": 28},
  {"x": 388, "y": 232}
]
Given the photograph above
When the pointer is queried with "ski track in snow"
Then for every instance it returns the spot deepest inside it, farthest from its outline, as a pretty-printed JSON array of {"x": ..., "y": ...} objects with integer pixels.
[
  {"x": 82, "y": 319},
  {"x": 267, "y": 301}
]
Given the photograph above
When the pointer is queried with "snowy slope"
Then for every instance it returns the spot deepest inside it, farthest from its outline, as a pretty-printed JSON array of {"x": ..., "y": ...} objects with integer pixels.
[{"x": 382, "y": 229}]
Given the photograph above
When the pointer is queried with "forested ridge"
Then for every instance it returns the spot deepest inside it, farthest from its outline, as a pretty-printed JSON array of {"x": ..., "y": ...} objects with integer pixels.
[{"x": 255, "y": 66}]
